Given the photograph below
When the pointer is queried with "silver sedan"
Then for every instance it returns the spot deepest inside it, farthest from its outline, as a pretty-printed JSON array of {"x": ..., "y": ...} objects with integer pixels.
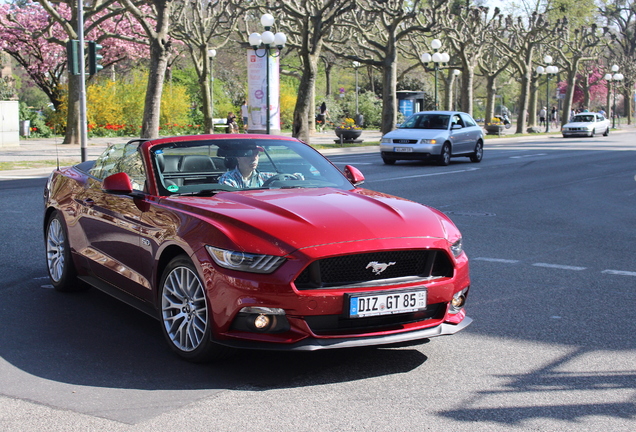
[{"x": 437, "y": 135}]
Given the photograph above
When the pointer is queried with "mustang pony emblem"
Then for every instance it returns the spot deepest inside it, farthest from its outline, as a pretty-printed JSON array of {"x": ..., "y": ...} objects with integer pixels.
[{"x": 378, "y": 267}]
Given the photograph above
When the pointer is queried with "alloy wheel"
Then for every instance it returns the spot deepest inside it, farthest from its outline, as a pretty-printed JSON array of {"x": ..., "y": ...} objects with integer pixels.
[{"x": 184, "y": 309}]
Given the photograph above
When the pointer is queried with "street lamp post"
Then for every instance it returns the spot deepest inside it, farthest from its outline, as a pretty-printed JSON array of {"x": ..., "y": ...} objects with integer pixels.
[
  {"x": 550, "y": 71},
  {"x": 211, "y": 55},
  {"x": 612, "y": 79},
  {"x": 273, "y": 45},
  {"x": 437, "y": 58}
]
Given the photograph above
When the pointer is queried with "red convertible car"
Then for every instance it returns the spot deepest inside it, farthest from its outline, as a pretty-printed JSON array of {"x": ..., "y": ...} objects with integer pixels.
[{"x": 253, "y": 241}]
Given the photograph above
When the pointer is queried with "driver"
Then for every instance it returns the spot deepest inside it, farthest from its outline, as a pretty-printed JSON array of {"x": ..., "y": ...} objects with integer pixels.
[{"x": 245, "y": 175}]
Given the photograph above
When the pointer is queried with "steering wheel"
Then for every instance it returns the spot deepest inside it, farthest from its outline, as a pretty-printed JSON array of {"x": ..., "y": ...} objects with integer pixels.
[{"x": 279, "y": 176}]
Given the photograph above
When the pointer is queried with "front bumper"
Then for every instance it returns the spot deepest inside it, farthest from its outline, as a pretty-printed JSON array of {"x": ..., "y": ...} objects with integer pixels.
[{"x": 315, "y": 344}]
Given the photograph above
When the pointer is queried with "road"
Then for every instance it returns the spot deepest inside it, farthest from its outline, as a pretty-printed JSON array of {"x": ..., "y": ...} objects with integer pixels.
[{"x": 549, "y": 228}]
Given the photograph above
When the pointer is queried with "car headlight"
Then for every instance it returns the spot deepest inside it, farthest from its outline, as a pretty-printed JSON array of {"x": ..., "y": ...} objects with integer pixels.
[
  {"x": 428, "y": 141},
  {"x": 385, "y": 140},
  {"x": 457, "y": 248},
  {"x": 242, "y": 261}
]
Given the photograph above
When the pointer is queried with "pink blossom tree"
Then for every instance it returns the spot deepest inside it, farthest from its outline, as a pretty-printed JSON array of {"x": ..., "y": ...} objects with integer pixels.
[{"x": 35, "y": 35}]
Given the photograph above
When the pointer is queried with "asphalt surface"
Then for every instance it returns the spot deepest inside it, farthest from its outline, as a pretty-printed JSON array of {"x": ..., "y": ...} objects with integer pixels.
[{"x": 548, "y": 226}]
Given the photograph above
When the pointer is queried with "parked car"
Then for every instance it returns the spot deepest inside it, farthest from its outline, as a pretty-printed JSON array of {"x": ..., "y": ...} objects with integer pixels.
[
  {"x": 292, "y": 255},
  {"x": 437, "y": 135},
  {"x": 586, "y": 124}
]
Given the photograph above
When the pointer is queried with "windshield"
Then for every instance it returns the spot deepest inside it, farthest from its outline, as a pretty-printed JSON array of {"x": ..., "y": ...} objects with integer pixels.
[
  {"x": 207, "y": 167},
  {"x": 583, "y": 118},
  {"x": 426, "y": 121}
]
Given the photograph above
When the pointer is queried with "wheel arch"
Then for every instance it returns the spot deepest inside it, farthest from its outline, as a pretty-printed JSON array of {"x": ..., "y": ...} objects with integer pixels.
[{"x": 167, "y": 255}]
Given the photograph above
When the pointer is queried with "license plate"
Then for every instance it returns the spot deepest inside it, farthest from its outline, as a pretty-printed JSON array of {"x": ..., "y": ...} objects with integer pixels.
[
  {"x": 388, "y": 303},
  {"x": 402, "y": 149}
]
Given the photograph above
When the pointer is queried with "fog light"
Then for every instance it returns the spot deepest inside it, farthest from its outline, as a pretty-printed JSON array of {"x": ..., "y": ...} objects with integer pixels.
[
  {"x": 261, "y": 322},
  {"x": 458, "y": 301}
]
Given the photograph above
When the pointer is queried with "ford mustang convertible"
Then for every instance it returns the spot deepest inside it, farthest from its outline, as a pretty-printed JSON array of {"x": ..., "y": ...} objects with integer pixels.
[{"x": 253, "y": 241}]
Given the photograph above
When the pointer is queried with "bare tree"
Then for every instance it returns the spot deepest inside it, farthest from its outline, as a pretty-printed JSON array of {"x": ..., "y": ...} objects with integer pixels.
[
  {"x": 583, "y": 44},
  {"x": 521, "y": 39},
  {"x": 621, "y": 18},
  {"x": 155, "y": 18},
  {"x": 203, "y": 25},
  {"x": 307, "y": 23},
  {"x": 468, "y": 31},
  {"x": 371, "y": 35}
]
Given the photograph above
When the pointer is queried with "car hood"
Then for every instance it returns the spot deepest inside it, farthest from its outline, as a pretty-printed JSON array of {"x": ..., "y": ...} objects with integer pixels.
[
  {"x": 579, "y": 124},
  {"x": 291, "y": 219},
  {"x": 416, "y": 134}
]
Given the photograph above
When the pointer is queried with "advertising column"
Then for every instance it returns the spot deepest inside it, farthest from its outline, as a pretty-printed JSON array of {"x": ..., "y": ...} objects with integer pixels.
[{"x": 257, "y": 63}]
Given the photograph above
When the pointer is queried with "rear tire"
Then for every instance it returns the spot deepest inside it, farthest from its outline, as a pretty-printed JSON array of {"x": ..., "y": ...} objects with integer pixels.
[
  {"x": 478, "y": 155},
  {"x": 186, "y": 319},
  {"x": 606, "y": 133},
  {"x": 59, "y": 261}
]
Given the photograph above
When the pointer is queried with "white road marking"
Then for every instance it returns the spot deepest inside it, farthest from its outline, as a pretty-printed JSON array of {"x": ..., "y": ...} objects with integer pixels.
[
  {"x": 619, "y": 272},
  {"x": 431, "y": 174},
  {"x": 558, "y": 266},
  {"x": 531, "y": 155},
  {"x": 497, "y": 260}
]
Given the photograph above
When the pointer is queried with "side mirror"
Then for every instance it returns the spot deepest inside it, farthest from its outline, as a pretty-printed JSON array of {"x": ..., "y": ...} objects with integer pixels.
[
  {"x": 354, "y": 175},
  {"x": 120, "y": 184},
  {"x": 456, "y": 126}
]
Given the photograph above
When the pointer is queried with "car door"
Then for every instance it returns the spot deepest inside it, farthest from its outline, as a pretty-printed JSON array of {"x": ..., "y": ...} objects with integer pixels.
[
  {"x": 112, "y": 224},
  {"x": 473, "y": 132},
  {"x": 460, "y": 136}
]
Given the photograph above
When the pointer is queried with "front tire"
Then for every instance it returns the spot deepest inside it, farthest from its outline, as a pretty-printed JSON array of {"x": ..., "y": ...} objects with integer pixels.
[
  {"x": 592, "y": 133},
  {"x": 185, "y": 316},
  {"x": 388, "y": 161},
  {"x": 445, "y": 156},
  {"x": 59, "y": 261},
  {"x": 606, "y": 133},
  {"x": 478, "y": 154}
]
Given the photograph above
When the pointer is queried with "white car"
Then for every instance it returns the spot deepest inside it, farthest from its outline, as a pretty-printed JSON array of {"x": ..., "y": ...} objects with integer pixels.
[
  {"x": 586, "y": 124},
  {"x": 434, "y": 135}
]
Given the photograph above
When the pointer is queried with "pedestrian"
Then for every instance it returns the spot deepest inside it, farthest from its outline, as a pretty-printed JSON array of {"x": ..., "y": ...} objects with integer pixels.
[
  {"x": 245, "y": 114},
  {"x": 322, "y": 116},
  {"x": 542, "y": 115},
  {"x": 554, "y": 114},
  {"x": 232, "y": 126}
]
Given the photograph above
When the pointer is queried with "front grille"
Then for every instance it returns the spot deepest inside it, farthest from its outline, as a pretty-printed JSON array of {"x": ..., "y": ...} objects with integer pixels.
[
  {"x": 337, "y": 325},
  {"x": 368, "y": 267},
  {"x": 404, "y": 141}
]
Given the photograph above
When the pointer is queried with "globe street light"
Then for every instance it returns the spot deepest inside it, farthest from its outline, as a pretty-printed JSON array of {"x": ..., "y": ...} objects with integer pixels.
[
  {"x": 437, "y": 58},
  {"x": 273, "y": 45},
  {"x": 211, "y": 55},
  {"x": 549, "y": 71},
  {"x": 613, "y": 79}
]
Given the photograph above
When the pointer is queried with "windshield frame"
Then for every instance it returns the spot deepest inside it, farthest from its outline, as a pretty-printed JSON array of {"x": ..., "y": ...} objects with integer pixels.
[{"x": 276, "y": 156}]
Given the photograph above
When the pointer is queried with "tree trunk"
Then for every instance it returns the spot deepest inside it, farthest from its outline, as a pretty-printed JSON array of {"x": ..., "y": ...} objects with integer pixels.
[
  {"x": 534, "y": 93},
  {"x": 156, "y": 77},
  {"x": 389, "y": 96},
  {"x": 569, "y": 95},
  {"x": 468, "y": 79},
  {"x": 305, "y": 100},
  {"x": 72, "y": 134},
  {"x": 490, "y": 98},
  {"x": 523, "y": 102}
]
